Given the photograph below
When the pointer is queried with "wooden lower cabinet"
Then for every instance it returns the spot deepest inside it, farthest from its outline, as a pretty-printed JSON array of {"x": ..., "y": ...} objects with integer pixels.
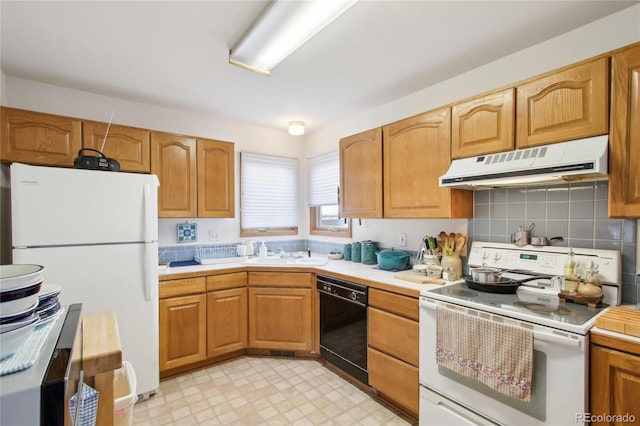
[
  {"x": 183, "y": 337},
  {"x": 226, "y": 321},
  {"x": 395, "y": 380},
  {"x": 394, "y": 335},
  {"x": 615, "y": 381},
  {"x": 393, "y": 348},
  {"x": 280, "y": 318}
]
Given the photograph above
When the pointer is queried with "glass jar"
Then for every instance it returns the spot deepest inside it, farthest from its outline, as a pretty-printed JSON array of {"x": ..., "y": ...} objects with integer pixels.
[{"x": 454, "y": 262}]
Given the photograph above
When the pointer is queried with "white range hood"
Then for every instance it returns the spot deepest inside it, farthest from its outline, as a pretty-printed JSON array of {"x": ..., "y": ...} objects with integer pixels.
[{"x": 583, "y": 159}]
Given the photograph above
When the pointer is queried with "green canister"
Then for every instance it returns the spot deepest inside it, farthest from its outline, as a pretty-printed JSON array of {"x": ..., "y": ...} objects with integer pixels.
[
  {"x": 368, "y": 253},
  {"x": 346, "y": 252},
  {"x": 356, "y": 252}
]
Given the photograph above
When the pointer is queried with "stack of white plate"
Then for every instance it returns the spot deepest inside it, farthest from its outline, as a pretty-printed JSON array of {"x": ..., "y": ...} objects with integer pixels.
[
  {"x": 19, "y": 289},
  {"x": 48, "y": 304}
]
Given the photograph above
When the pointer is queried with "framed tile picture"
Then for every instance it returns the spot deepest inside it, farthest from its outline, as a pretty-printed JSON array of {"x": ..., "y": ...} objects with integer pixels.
[{"x": 187, "y": 232}]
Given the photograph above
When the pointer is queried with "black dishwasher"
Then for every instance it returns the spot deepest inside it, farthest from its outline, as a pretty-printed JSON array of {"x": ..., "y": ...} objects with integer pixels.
[{"x": 343, "y": 325}]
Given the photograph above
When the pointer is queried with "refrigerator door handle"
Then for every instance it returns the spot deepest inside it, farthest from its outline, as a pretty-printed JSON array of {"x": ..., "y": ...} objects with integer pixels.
[
  {"x": 149, "y": 277},
  {"x": 148, "y": 222}
]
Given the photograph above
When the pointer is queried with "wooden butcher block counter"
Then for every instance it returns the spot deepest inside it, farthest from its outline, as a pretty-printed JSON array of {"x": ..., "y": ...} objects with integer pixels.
[{"x": 101, "y": 356}]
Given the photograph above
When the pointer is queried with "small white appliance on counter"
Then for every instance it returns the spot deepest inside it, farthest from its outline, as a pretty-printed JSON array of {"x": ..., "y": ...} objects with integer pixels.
[
  {"x": 96, "y": 234},
  {"x": 555, "y": 388}
]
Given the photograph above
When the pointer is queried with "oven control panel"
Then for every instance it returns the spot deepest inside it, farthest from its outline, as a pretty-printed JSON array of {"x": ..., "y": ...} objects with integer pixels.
[{"x": 545, "y": 260}]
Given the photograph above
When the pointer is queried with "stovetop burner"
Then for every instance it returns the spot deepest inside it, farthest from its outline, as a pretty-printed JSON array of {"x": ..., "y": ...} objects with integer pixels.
[
  {"x": 542, "y": 308},
  {"x": 461, "y": 292}
]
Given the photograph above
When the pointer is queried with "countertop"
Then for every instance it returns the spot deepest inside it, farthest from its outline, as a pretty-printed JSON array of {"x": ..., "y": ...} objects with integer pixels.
[{"x": 354, "y": 271}]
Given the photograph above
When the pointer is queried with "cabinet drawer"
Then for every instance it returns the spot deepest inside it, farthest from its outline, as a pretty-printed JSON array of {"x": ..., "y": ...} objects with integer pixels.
[
  {"x": 182, "y": 287},
  {"x": 222, "y": 281},
  {"x": 394, "y": 335},
  {"x": 402, "y": 305},
  {"x": 395, "y": 380},
  {"x": 281, "y": 279}
]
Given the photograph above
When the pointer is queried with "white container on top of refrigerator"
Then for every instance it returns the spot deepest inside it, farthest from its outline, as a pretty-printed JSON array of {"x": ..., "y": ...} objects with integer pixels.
[{"x": 96, "y": 234}]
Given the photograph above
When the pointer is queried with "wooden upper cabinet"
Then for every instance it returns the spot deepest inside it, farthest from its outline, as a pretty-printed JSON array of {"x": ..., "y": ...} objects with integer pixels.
[
  {"x": 128, "y": 145},
  {"x": 569, "y": 104},
  {"x": 483, "y": 125},
  {"x": 37, "y": 138},
  {"x": 173, "y": 160},
  {"x": 624, "y": 137},
  {"x": 216, "y": 193},
  {"x": 361, "y": 175},
  {"x": 416, "y": 152}
]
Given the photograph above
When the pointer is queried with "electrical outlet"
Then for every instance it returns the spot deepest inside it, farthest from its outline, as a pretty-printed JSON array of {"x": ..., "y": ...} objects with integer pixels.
[
  {"x": 214, "y": 235},
  {"x": 402, "y": 240}
]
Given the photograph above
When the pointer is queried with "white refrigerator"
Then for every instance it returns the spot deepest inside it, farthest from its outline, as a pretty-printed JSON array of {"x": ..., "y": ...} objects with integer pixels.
[{"x": 96, "y": 234}]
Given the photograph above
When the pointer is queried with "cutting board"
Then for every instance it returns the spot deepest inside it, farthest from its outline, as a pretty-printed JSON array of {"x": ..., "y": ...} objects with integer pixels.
[
  {"x": 417, "y": 278},
  {"x": 622, "y": 320}
]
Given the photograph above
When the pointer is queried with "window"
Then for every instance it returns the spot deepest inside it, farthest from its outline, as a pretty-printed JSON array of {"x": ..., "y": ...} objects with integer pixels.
[
  {"x": 324, "y": 213},
  {"x": 269, "y": 200}
]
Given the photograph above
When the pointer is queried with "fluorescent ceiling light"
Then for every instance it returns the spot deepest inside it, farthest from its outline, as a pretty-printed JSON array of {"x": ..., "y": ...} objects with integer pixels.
[
  {"x": 296, "y": 128},
  {"x": 281, "y": 29}
]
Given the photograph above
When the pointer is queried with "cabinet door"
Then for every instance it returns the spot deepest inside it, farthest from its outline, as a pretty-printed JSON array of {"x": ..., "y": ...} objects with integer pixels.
[
  {"x": 624, "y": 138},
  {"x": 216, "y": 193},
  {"x": 226, "y": 321},
  {"x": 395, "y": 380},
  {"x": 280, "y": 318},
  {"x": 40, "y": 139},
  {"x": 416, "y": 152},
  {"x": 128, "y": 145},
  {"x": 183, "y": 337},
  {"x": 361, "y": 175},
  {"x": 173, "y": 160},
  {"x": 483, "y": 125},
  {"x": 394, "y": 335},
  {"x": 615, "y": 384},
  {"x": 569, "y": 104}
]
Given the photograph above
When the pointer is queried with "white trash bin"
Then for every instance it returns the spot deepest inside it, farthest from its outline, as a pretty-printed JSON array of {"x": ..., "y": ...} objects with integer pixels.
[{"x": 124, "y": 394}]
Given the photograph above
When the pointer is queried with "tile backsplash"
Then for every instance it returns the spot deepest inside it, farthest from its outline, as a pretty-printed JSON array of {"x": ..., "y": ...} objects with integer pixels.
[{"x": 577, "y": 212}]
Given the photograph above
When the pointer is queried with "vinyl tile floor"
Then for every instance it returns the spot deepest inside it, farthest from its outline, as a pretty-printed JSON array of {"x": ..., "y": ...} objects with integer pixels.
[{"x": 262, "y": 391}]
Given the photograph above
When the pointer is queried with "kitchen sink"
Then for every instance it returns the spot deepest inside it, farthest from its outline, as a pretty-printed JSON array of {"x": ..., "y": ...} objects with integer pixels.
[{"x": 277, "y": 260}]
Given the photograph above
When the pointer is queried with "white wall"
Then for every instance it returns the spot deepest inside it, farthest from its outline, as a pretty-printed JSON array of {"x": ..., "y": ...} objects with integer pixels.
[
  {"x": 618, "y": 30},
  {"x": 607, "y": 34}
]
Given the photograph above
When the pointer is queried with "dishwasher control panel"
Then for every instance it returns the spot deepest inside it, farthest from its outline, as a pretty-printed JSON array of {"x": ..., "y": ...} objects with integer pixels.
[{"x": 356, "y": 293}]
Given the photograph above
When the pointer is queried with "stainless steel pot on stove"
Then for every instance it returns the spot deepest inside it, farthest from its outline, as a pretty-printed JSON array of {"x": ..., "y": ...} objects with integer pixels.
[
  {"x": 485, "y": 274},
  {"x": 544, "y": 241}
]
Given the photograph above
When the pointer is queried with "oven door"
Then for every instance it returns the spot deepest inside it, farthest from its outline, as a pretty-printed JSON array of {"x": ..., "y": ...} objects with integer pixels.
[{"x": 558, "y": 396}]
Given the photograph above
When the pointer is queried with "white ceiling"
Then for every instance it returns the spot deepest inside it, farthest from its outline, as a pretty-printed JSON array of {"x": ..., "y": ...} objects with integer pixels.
[{"x": 175, "y": 54}]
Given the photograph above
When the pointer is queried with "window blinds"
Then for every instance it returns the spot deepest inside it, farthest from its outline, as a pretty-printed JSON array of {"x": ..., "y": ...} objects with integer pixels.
[
  {"x": 324, "y": 178},
  {"x": 269, "y": 191}
]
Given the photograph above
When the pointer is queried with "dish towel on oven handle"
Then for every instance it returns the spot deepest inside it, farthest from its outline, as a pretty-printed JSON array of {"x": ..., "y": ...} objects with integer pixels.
[{"x": 498, "y": 355}]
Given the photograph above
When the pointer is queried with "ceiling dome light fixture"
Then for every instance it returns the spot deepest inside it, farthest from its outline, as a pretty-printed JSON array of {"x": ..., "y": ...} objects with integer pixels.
[
  {"x": 282, "y": 28},
  {"x": 296, "y": 128}
]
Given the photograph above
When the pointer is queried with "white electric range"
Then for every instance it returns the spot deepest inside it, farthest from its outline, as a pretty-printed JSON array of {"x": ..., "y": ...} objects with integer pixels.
[{"x": 560, "y": 337}]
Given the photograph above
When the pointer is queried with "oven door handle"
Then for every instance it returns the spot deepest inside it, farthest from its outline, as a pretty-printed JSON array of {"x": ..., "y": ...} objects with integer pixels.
[
  {"x": 558, "y": 339},
  {"x": 425, "y": 303}
]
